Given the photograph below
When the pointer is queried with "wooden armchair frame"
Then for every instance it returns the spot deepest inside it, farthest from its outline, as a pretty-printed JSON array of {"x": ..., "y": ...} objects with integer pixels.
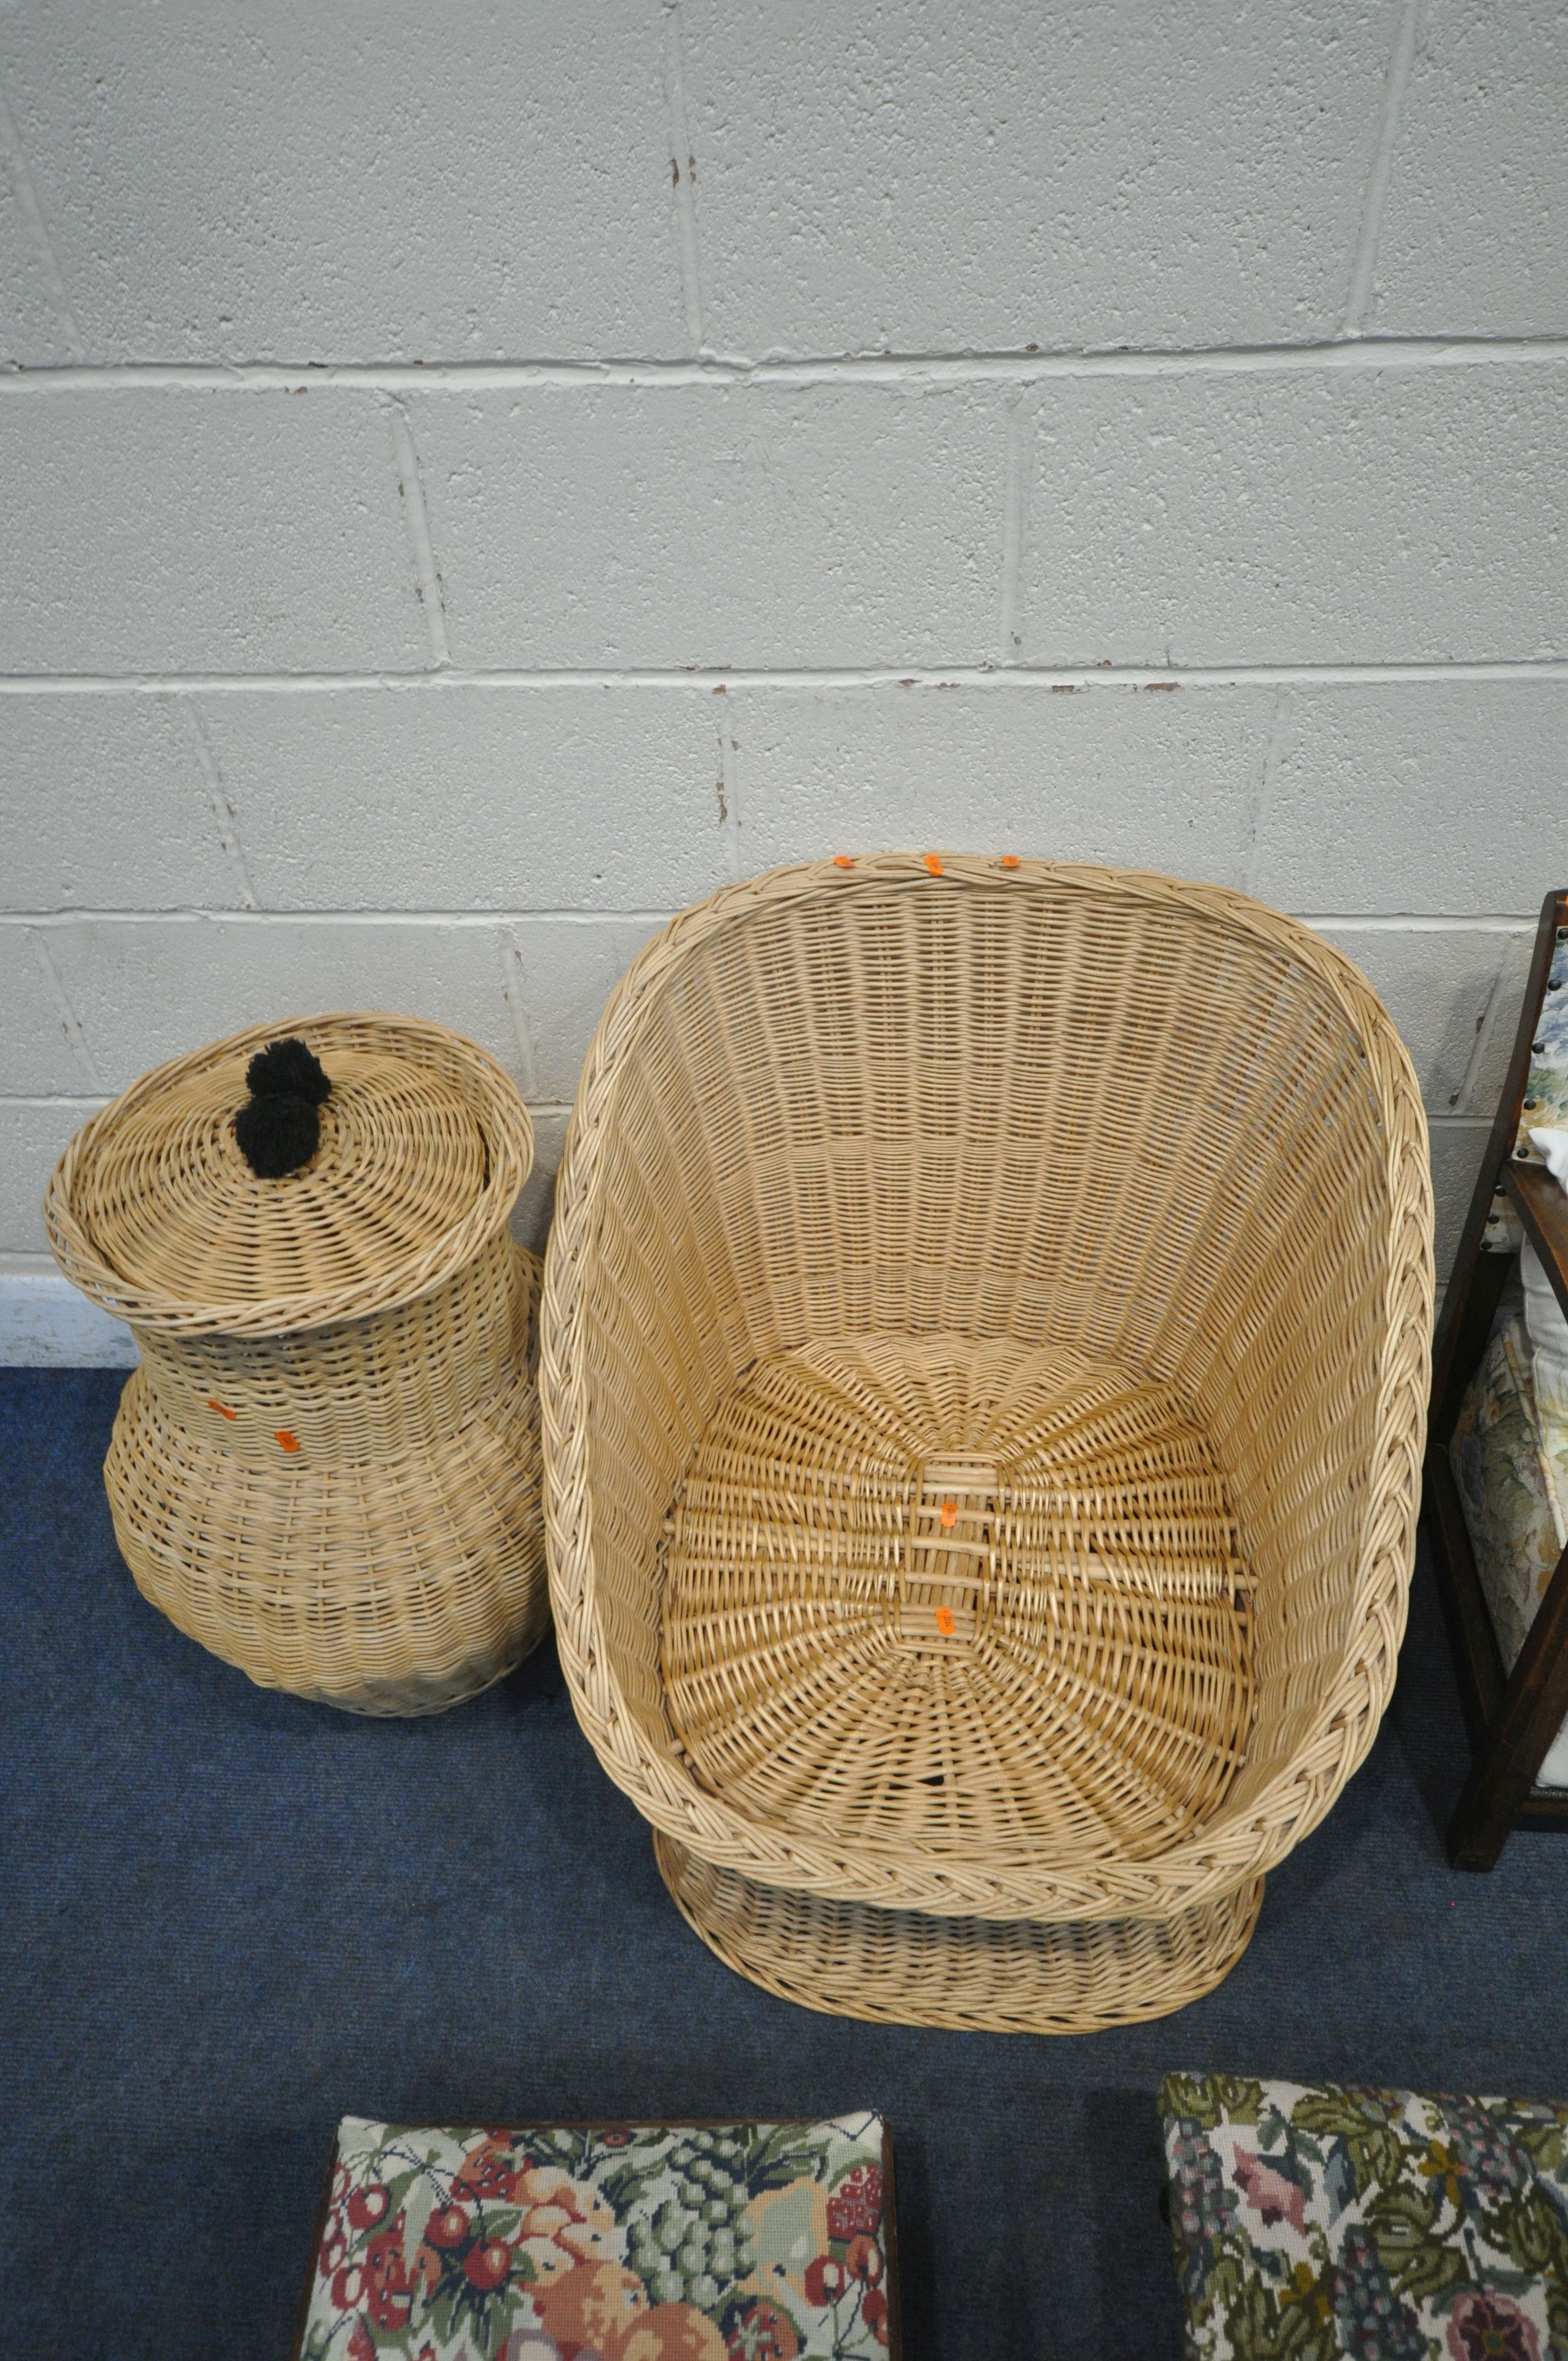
[{"x": 1512, "y": 1717}]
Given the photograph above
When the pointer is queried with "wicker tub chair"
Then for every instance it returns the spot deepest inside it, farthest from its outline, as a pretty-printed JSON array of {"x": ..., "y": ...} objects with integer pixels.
[{"x": 984, "y": 1346}]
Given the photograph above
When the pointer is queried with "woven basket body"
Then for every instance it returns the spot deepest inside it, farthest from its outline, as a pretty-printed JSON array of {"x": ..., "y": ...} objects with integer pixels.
[
  {"x": 327, "y": 1467},
  {"x": 983, "y": 1366}
]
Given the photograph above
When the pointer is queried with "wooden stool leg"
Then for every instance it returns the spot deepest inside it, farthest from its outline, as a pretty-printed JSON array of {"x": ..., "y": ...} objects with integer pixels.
[{"x": 1512, "y": 1750}]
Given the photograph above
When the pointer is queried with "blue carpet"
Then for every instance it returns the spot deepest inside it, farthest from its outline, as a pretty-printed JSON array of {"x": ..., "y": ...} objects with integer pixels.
[{"x": 230, "y": 1917}]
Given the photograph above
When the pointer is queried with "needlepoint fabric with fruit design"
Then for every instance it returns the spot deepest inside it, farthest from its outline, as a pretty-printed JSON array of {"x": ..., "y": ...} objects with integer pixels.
[
  {"x": 750, "y": 2242},
  {"x": 1311, "y": 2222}
]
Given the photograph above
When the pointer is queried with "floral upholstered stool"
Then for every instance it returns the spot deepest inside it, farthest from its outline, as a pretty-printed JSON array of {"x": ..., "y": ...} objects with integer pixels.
[
  {"x": 1311, "y": 2221},
  {"x": 734, "y": 2242}
]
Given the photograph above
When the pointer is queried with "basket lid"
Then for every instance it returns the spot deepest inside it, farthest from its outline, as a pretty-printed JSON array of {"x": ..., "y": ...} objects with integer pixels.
[{"x": 423, "y": 1145}]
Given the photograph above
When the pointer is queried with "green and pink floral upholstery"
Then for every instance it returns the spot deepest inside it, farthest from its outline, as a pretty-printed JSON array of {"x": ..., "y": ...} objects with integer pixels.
[
  {"x": 1311, "y": 2222},
  {"x": 745, "y": 2241}
]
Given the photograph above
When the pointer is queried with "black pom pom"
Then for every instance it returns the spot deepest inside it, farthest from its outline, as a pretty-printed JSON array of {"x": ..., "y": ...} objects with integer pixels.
[
  {"x": 276, "y": 1134},
  {"x": 288, "y": 1069}
]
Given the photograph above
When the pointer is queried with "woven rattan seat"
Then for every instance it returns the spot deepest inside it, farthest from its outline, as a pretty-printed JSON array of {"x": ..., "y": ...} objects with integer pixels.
[
  {"x": 931, "y": 1592},
  {"x": 985, "y": 1334}
]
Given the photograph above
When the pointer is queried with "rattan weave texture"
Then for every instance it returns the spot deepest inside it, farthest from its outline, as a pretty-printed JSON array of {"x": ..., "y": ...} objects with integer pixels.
[
  {"x": 327, "y": 1467},
  {"x": 1147, "y": 1160},
  {"x": 970, "y": 1975},
  {"x": 902, "y": 1571}
]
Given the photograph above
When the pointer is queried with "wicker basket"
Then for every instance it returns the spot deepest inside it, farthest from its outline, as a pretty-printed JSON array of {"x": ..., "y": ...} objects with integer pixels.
[
  {"x": 327, "y": 1467},
  {"x": 984, "y": 1350}
]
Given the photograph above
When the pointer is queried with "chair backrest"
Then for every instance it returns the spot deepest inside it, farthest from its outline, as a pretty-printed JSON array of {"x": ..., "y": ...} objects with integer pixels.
[{"x": 1150, "y": 1121}]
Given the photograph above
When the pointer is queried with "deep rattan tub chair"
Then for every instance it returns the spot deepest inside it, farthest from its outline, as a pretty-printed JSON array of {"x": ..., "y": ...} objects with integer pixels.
[{"x": 985, "y": 1349}]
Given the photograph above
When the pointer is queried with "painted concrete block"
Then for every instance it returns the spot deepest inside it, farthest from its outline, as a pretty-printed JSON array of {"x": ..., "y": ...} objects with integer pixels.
[
  {"x": 463, "y": 798},
  {"x": 104, "y": 805},
  {"x": 171, "y": 530},
  {"x": 1475, "y": 232},
  {"x": 720, "y": 526},
  {"x": 362, "y": 182},
  {"x": 33, "y": 1137},
  {"x": 152, "y": 989},
  {"x": 1337, "y": 518},
  {"x": 531, "y": 992},
  {"x": 1456, "y": 1152},
  {"x": 1490, "y": 1070},
  {"x": 920, "y": 178},
  {"x": 1153, "y": 778},
  {"x": 36, "y": 1055},
  {"x": 45, "y": 1322},
  {"x": 1448, "y": 796},
  {"x": 1439, "y": 986},
  {"x": 33, "y": 334},
  {"x": 531, "y": 1221},
  {"x": 560, "y": 973}
]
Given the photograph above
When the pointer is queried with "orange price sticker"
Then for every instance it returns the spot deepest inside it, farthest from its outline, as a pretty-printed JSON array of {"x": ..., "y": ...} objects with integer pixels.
[
  {"x": 287, "y": 1441},
  {"x": 933, "y": 864},
  {"x": 944, "y": 1621},
  {"x": 222, "y": 1407},
  {"x": 842, "y": 860},
  {"x": 949, "y": 1515}
]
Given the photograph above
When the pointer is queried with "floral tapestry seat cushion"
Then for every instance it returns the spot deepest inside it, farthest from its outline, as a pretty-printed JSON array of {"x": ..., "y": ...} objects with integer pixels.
[
  {"x": 745, "y": 2241},
  {"x": 1511, "y": 1469},
  {"x": 1311, "y": 2221}
]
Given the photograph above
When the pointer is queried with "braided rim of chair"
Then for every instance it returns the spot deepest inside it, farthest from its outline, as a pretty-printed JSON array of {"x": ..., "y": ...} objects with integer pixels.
[
  {"x": 492, "y": 1098},
  {"x": 1234, "y": 1846}
]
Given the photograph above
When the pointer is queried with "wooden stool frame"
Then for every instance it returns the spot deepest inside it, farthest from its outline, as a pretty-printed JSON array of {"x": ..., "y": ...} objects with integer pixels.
[{"x": 1512, "y": 1717}]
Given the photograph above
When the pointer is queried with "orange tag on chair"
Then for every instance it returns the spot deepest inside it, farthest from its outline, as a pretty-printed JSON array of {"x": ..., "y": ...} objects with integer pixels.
[
  {"x": 287, "y": 1441},
  {"x": 1010, "y": 860},
  {"x": 933, "y": 864},
  {"x": 842, "y": 860},
  {"x": 944, "y": 1621},
  {"x": 221, "y": 1408},
  {"x": 949, "y": 1515}
]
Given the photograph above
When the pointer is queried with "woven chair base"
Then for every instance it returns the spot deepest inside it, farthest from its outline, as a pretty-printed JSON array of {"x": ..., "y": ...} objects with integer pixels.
[
  {"x": 980, "y": 1976},
  {"x": 399, "y": 1586},
  {"x": 964, "y": 1595}
]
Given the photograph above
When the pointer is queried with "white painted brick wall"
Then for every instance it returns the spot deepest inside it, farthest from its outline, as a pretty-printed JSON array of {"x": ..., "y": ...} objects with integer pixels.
[
  {"x": 1475, "y": 232},
  {"x": 184, "y": 531},
  {"x": 31, "y": 322},
  {"x": 928, "y": 179},
  {"x": 1160, "y": 777},
  {"x": 472, "y": 480},
  {"x": 1400, "y": 517},
  {"x": 361, "y": 182},
  {"x": 41, "y": 1050},
  {"x": 751, "y": 526},
  {"x": 1425, "y": 796},
  {"x": 473, "y": 797},
  {"x": 33, "y": 1133},
  {"x": 106, "y": 799}
]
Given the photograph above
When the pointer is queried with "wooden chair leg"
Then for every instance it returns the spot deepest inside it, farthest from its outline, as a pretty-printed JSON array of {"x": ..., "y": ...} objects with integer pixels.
[
  {"x": 1534, "y": 1704},
  {"x": 1473, "y": 1640}
]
